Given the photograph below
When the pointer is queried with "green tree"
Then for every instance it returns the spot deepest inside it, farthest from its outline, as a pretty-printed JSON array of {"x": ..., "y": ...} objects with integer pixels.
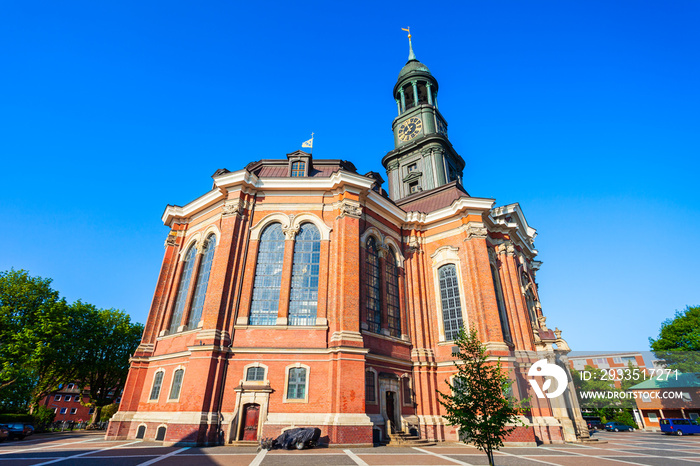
[
  {"x": 478, "y": 403},
  {"x": 678, "y": 343},
  {"x": 34, "y": 337},
  {"x": 108, "y": 411},
  {"x": 107, "y": 339}
]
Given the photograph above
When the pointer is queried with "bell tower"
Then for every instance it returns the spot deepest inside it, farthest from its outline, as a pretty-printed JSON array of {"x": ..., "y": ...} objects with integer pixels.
[{"x": 423, "y": 157}]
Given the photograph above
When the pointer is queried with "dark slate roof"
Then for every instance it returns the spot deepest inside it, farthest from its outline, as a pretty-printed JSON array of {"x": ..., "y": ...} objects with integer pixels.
[
  {"x": 430, "y": 201},
  {"x": 279, "y": 168}
]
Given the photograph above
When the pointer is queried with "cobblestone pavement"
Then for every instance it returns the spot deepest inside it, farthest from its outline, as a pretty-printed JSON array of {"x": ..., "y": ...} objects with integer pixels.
[{"x": 85, "y": 449}]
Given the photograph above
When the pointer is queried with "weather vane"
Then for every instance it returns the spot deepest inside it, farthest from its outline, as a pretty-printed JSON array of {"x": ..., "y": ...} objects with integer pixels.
[{"x": 408, "y": 30}]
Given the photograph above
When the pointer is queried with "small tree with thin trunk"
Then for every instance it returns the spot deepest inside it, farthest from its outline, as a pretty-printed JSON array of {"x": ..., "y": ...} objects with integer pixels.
[{"x": 479, "y": 403}]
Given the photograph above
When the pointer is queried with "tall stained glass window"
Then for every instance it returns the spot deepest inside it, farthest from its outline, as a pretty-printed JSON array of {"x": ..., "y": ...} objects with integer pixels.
[
  {"x": 177, "y": 384},
  {"x": 268, "y": 276},
  {"x": 392, "y": 295},
  {"x": 200, "y": 290},
  {"x": 304, "y": 295},
  {"x": 184, "y": 285},
  {"x": 374, "y": 299},
  {"x": 451, "y": 305},
  {"x": 157, "y": 383}
]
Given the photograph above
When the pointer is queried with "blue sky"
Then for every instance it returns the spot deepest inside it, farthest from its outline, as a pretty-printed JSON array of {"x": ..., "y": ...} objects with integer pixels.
[{"x": 584, "y": 112}]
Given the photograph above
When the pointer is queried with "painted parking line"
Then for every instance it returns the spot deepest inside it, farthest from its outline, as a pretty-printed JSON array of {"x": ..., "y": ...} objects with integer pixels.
[
  {"x": 606, "y": 457},
  {"x": 162, "y": 457},
  {"x": 85, "y": 453},
  {"x": 47, "y": 445},
  {"x": 442, "y": 456},
  {"x": 355, "y": 458},
  {"x": 259, "y": 458}
]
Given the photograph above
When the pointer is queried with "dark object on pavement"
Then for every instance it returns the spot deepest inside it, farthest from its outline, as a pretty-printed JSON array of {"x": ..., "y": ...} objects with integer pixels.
[{"x": 299, "y": 438}]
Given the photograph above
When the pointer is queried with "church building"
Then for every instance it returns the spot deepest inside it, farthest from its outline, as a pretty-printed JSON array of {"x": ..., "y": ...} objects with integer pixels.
[{"x": 300, "y": 293}]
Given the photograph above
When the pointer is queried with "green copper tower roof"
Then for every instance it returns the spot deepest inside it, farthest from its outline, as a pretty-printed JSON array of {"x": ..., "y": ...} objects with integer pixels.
[{"x": 412, "y": 64}]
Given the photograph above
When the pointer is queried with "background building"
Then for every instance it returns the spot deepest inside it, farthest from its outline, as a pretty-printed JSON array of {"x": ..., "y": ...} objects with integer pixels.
[{"x": 297, "y": 292}]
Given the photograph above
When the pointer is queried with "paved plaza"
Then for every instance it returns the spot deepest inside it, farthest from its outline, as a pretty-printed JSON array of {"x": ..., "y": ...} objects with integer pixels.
[{"x": 84, "y": 449}]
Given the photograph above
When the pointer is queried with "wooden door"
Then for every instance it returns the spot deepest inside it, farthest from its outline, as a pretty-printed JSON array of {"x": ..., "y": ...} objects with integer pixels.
[
  {"x": 390, "y": 411},
  {"x": 251, "y": 413}
]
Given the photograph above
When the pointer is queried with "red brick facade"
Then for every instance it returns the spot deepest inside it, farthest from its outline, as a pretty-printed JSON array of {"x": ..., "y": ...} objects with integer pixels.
[{"x": 338, "y": 349}]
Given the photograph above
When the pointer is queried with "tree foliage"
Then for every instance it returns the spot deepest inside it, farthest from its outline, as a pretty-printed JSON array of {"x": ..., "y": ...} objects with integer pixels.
[
  {"x": 678, "y": 343},
  {"x": 45, "y": 342},
  {"x": 479, "y": 404},
  {"x": 107, "y": 341}
]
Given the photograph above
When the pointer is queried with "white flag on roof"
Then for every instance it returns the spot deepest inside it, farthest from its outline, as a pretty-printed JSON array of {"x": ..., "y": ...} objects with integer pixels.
[{"x": 309, "y": 143}]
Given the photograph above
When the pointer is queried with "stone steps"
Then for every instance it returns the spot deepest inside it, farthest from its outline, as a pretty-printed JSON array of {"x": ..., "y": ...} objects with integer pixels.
[{"x": 401, "y": 439}]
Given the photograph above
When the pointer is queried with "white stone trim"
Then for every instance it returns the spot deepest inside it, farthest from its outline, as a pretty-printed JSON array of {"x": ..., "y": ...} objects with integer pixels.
[
  {"x": 324, "y": 229},
  {"x": 264, "y": 382},
  {"x": 277, "y": 217}
]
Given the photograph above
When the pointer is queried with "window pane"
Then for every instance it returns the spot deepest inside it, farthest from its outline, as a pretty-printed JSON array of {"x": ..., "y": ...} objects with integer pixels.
[
  {"x": 296, "y": 386},
  {"x": 407, "y": 395},
  {"x": 298, "y": 169},
  {"x": 177, "y": 383},
  {"x": 304, "y": 295},
  {"x": 200, "y": 290},
  {"x": 451, "y": 306},
  {"x": 268, "y": 277},
  {"x": 157, "y": 381},
  {"x": 392, "y": 296},
  {"x": 374, "y": 300},
  {"x": 369, "y": 386},
  {"x": 182, "y": 289},
  {"x": 255, "y": 374}
]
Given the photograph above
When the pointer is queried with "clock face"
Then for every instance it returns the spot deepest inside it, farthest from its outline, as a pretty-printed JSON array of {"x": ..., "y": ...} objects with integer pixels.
[{"x": 410, "y": 128}]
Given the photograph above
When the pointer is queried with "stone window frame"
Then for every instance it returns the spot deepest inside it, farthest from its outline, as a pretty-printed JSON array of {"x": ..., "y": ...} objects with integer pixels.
[
  {"x": 297, "y": 365},
  {"x": 153, "y": 383},
  {"x": 192, "y": 241},
  {"x": 375, "y": 375},
  {"x": 264, "y": 381},
  {"x": 403, "y": 379},
  {"x": 172, "y": 382},
  {"x": 443, "y": 256},
  {"x": 290, "y": 226}
]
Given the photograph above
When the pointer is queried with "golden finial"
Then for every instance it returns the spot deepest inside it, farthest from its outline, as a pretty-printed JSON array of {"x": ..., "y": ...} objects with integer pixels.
[
  {"x": 411, "y": 55},
  {"x": 408, "y": 30}
]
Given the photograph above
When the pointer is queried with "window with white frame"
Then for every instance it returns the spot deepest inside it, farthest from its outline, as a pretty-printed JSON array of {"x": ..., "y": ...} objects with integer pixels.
[
  {"x": 70, "y": 386},
  {"x": 579, "y": 364},
  {"x": 646, "y": 397},
  {"x": 393, "y": 302},
  {"x": 57, "y": 398},
  {"x": 177, "y": 384},
  {"x": 373, "y": 284},
  {"x": 653, "y": 417},
  {"x": 68, "y": 397},
  {"x": 449, "y": 298},
  {"x": 693, "y": 416},
  {"x": 200, "y": 289},
  {"x": 73, "y": 410},
  {"x": 181, "y": 299},
  {"x": 685, "y": 396},
  {"x": 64, "y": 410},
  {"x": 297, "y": 379},
  {"x": 303, "y": 300},
  {"x": 157, "y": 383},
  {"x": 55, "y": 410}
]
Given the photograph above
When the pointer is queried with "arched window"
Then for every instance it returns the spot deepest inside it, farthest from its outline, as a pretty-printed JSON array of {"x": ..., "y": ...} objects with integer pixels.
[
  {"x": 177, "y": 384},
  {"x": 408, "y": 96},
  {"x": 393, "y": 303},
  {"x": 449, "y": 297},
  {"x": 182, "y": 289},
  {"x": 505, "y": 327},
  {"x": 298, "y": 169},
  {"x": 374, "y": 299},
  {"x": 157, "y": 383},
  {"x": 268, "y": 276},
  {"x": 304, "y": 295},
  {"x": 200, "y": 290}
]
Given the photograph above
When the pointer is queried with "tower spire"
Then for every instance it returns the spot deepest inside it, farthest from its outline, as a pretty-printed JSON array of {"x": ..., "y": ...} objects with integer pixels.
[{"x": 411, "y": 55}]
